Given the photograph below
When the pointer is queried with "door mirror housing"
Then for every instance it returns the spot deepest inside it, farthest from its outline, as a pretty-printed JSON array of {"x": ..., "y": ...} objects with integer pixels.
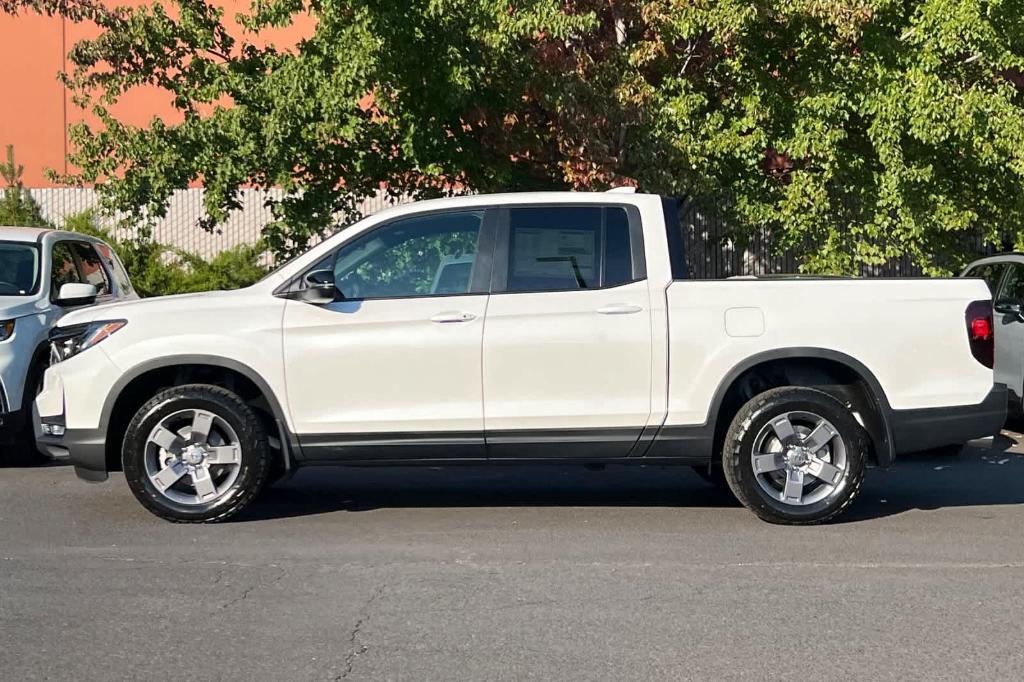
[
  {"x": 319, "y": 287},
  {"x": 1010, "y": 308},
  {"x": 76, "y": 294}
]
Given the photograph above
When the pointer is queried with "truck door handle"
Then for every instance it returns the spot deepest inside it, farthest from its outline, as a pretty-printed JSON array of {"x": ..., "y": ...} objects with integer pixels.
[
  {"x": 619, "y": 309},
  {"x": 450, "y": 316}
]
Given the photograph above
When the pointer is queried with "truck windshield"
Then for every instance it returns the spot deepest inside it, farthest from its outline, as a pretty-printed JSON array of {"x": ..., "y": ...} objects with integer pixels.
[{"x": 19, "y": 268}]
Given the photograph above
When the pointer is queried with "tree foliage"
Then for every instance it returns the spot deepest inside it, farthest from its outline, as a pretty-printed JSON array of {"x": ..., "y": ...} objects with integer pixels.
[
  {"x": 857, "y": 130},
  {"x": 17, "y": 207}
]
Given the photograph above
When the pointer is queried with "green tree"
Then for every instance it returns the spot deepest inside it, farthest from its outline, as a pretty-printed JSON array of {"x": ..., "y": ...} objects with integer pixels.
[
  {"x": 855, "y": 130},
  {"x": 17, "y": 207}
]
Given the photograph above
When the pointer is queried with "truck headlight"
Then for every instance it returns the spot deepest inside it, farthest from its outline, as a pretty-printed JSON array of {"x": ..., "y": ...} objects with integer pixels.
[
  {"x": 6, "y": 330},
  {"x": 68, "y": 342}
]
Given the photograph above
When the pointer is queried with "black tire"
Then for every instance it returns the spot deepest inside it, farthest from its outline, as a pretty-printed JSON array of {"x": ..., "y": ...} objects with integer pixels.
[
  {"x": 755, "y": 416},
  {"x": 255, "y": 458},
  {"x": 21, "y": 449}
]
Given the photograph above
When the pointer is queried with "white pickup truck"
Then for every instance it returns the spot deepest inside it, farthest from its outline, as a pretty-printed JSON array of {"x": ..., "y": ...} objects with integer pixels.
[{"x": 568, "y": 332}]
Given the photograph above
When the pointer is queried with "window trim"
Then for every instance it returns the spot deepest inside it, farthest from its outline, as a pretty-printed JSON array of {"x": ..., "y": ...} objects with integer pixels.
[
  {"x": 479, "y": 282},
  {"x": 499, "y": 271}
]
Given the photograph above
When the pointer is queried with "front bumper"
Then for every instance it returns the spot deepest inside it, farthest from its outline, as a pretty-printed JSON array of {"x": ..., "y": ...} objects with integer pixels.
[
  {"x": 923, "y": 429},
  {"x": 88, "y": 446},
  {"x": 68, "y": 400}
]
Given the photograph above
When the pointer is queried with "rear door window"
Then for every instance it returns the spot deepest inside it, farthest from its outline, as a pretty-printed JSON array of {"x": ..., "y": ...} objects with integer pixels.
[
  {"x": 115, "y": 268},
  {"x": 562, "y": 248},
  {"x": 990, "y": 272},
  {"x": 91, "y": 267},
  {"x": 1012, "y": 290}
]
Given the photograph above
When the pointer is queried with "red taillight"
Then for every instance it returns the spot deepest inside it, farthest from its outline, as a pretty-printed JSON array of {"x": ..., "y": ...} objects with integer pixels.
[
  {"x": 980, "y": 333},
  {"x": 981, "y": 328}
]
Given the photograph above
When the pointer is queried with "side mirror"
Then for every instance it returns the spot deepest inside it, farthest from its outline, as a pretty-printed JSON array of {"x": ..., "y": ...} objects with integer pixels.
[
  {"x": 319, "y": 287},
  {"x": 1009, "y": 308},
  {"x": 76, "y": 294}
]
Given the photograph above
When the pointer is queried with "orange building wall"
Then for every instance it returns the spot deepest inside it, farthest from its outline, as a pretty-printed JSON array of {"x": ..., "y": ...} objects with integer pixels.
[
  {"x": 35, "y": 111},
  {"x": 32, "y": 114}
]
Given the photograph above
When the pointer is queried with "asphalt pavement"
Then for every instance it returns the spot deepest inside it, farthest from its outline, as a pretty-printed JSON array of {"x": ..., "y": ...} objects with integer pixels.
[{"x": 514, "y": 573}]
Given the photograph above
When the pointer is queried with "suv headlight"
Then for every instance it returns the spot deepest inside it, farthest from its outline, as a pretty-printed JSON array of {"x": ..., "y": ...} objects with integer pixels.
[
  {"x": 6, "y": 330},
  {"x": 69, "y": 341}
]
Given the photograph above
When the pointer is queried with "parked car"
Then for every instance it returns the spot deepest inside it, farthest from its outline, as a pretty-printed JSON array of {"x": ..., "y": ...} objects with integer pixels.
[
  {"x": 575, "y": 337},
  {"x": 43, "y": 275},
  {"x": 1004, "y": 275}
]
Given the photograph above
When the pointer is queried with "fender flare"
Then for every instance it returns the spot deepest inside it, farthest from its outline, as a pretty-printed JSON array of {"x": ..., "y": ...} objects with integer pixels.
[
  {"x": 883, "y": 442},
  {"x": 290, "y": 444}
]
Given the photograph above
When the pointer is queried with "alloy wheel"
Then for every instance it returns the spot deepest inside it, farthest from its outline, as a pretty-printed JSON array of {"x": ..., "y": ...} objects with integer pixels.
[
  {"x": 193, "y": 457},
  {"x": 799, "y": 458}
]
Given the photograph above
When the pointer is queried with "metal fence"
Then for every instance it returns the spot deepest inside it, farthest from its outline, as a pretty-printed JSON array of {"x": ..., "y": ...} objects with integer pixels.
[
  {"x": 714, "y": 252},
  {"x": 180, "y": 227},
  {"x": 711, "y": 248}
]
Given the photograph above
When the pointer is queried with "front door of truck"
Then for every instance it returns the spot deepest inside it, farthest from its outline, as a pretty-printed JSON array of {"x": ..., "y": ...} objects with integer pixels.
[
  {"x": 391, "y": 369},
  {"x": 567, "y": 340}
]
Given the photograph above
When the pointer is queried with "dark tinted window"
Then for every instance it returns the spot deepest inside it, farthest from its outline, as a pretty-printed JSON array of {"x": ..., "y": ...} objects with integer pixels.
[
  {"x": 115, "y": 268},
  {"x": 91, "y": 268},
  {"x": 562, "y": 248},
  {"x": 419, "y": 256},
  {"x": 990, "y": 272},
  {"x": 1012, "y": 290},
  {"x": 618, "y": 260},
  {"x": 19, "y": 268}
]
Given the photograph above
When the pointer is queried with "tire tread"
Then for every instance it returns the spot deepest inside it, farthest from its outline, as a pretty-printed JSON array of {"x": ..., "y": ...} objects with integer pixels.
[
  {"x": 732, "y": 457},
  {"x": 253, "y": 428}
]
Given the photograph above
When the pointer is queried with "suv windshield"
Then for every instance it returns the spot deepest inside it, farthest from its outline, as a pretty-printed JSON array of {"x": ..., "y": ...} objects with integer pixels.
[{"x": 19, "y": 268}]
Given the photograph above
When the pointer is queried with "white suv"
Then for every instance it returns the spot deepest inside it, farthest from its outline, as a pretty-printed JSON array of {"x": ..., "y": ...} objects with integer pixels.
[
  {"x": 43, "y": 274},
  {"x": 545, "y": 327}
]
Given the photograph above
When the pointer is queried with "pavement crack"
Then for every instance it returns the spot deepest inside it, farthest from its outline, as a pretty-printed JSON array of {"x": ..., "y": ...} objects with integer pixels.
[
  {"x": 248, "y": 590},
  {"x": 356, "y": 647}
]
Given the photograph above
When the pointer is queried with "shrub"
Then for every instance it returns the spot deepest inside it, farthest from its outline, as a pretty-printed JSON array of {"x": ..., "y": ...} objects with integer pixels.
[{"x": 159, "y": 270}]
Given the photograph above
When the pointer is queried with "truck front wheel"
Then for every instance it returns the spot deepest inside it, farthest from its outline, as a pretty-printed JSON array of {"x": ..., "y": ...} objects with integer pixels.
[
  {"x": 196, "y": 453},
  {"x": 795, "y": 455}
]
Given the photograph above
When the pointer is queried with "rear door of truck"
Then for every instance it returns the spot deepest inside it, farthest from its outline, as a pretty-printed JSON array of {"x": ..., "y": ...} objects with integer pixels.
[{"x": 567, "y": 336}]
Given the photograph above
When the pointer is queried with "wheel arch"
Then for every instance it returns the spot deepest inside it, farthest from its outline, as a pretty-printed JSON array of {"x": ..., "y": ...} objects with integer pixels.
[
  {"x": 137, "y": 385},
  {"x": 835, "y": 372}
]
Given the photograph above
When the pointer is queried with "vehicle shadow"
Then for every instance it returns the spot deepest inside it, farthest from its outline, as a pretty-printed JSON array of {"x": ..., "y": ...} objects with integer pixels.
[{"x": 984, "y": 473}]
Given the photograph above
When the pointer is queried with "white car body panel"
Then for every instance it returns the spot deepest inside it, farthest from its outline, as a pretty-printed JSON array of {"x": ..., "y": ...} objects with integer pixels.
[
  {"x": 909, "y": 334},
  {"x": 353, "y": 361},
  {"x": 552, "y": 360},
  {"x": 532, "y": 361}
]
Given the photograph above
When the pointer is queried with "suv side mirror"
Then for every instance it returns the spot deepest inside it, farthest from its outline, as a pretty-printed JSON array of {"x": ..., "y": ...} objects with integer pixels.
[
  {"x": 319, "y": 287},
  {"x": 1009, "y": 308},
  {"x": 76, "y": 294}
]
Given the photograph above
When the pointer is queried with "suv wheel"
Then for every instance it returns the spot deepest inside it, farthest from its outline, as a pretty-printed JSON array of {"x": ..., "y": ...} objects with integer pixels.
[
  {"x": 195, "y": 453},
  {"x": 795, "y": 456}
]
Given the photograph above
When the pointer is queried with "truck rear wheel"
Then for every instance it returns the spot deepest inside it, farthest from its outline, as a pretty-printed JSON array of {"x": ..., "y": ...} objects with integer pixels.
[
  {"x": 196, "y": 454},
  {"x": 795, "y": 456}
]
